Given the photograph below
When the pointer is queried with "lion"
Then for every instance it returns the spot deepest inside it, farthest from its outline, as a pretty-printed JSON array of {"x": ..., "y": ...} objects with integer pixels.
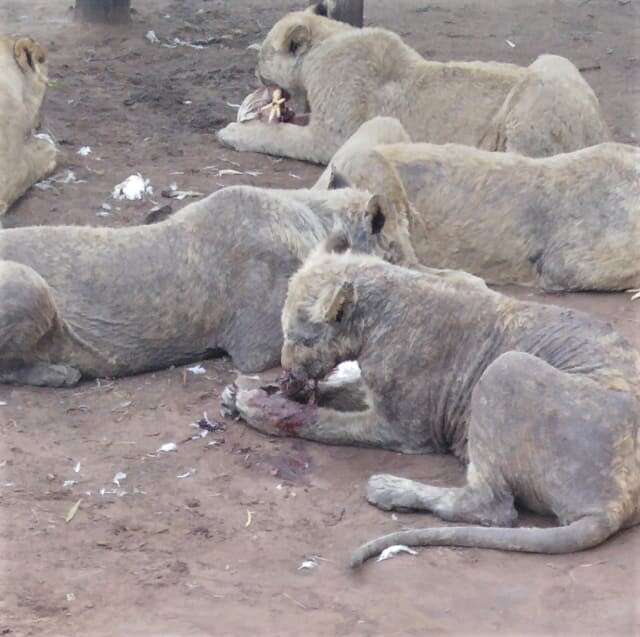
[
  {"x": 348, "y": 75},
  {"x": 25, "y": 157},
  {"x": 541, "y": 401},
  {"x": 564, "y": 223},
  {"x": 93, "y": 302}
]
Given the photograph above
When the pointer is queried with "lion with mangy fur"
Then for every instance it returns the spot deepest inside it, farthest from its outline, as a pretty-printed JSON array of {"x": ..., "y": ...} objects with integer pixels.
[
  {"x": 87, "y": 302},
  {"x": 541, "y": 401},
  {"x": 347, "y": 75},
  {"x": 567, "y": 223}
]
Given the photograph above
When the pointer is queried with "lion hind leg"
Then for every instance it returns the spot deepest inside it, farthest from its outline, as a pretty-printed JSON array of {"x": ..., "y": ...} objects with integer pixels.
[
  {"x": 471, "y": 503},
  {"x": 552, "y": 110},
  {"x": 28, "y": 315},
  {"x": 27, "y": 309},
  {"x": 41, "y": 375},
  {"x": 559, "y": 443}
]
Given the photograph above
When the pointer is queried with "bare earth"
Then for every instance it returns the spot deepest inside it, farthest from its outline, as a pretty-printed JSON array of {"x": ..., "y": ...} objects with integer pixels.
[{"x": 217, "y": 552}]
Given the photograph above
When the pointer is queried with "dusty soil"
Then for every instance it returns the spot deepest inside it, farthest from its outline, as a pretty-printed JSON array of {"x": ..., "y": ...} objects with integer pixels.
[{"x": 217, "y": 552}]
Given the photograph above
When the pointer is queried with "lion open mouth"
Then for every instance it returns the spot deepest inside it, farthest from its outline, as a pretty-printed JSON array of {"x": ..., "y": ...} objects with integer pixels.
[
  {"x": 298, "y": 388},
  {"x": 302, "y": 389}
]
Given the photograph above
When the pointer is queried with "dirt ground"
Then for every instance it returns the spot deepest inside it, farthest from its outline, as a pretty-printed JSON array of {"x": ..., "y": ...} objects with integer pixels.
[{"x": 208, "y": 540}]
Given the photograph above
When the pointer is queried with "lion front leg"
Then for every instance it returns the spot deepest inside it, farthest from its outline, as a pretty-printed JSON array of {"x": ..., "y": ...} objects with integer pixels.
[
  {"x": 276, "y": 415},
  {"x": 36, "y": 159},
  {"x": 307, "y": 143},
  {"x": 42, "y": 156}
]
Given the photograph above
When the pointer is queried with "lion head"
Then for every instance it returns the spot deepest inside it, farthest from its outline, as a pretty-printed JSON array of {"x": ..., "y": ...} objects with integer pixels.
[{"x": 289, "y": 42}]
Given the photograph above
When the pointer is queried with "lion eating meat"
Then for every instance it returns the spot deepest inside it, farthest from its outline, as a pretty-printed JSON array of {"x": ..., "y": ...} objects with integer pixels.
[
  {"x": 348, "y": 75},
  {"x": 543, "y": 402},
  {"x": 569, "y": 222},
  {"x": 25, "y": 157},
  {"x": 85, "y": 302}
]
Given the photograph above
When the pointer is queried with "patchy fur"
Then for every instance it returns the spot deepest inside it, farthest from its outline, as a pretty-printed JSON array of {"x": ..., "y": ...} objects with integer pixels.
[
  {"x": 24, "y": 159},
  {"x": 348, "y": 75},
  {"x": 569, "y": 222},
  {"x": 542, "y": 401},
  {"x": 79, "y": 301}
]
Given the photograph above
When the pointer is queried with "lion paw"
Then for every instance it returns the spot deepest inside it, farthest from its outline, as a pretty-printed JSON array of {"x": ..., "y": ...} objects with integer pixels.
[
  {"x": 231, "y": 136},
  {"x": 233, "y": 403},
  {"x": 42, "y": 375},
  {"x": 385, "y": 491},
  {"x": 228, "y": 401}
]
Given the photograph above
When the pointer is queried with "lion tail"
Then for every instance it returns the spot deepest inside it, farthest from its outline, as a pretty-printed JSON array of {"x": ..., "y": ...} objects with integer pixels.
[{"x": 581, "y": 534}]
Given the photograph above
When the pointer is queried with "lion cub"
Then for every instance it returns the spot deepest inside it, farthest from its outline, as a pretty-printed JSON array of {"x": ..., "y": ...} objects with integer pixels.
[
  {"x": 348, "y": 75},
  {"x": 542, "y": 401}
]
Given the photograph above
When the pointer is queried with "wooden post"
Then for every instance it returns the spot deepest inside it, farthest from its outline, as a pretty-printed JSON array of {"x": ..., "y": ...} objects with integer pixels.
[
  {"x": 349, "y": 11},
  {"x": 103, "y": 11}
]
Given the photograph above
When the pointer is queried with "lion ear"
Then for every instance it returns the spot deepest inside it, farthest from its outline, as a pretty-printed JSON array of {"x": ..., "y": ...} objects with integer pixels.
[
  {"x": 337, "y": 302},
  {"x": 375, "y": 214},
  {"x": 320, "y": 8},
  {"x": 298, "y": 39},
  {"x": 22, "y": 54},
  {"x": 28, "y": 54},
  {"x": 337, "y": 242}
]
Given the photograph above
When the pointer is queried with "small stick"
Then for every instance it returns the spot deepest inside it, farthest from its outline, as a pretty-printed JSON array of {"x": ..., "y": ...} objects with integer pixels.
[{"x": 295, "y": 601}]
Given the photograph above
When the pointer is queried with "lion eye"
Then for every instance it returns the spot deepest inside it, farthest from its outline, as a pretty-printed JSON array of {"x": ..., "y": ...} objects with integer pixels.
[{"x": 293, "y": 47}]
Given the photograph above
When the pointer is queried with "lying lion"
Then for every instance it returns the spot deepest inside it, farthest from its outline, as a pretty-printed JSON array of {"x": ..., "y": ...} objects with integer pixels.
[
  {"x": 24, "y": 158},
  {"x": 570, "y": 222},
  {"x": 542, "y": 401},
  {"x": 348, "y": 75},
  {"x": 85, "y": 302}
]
